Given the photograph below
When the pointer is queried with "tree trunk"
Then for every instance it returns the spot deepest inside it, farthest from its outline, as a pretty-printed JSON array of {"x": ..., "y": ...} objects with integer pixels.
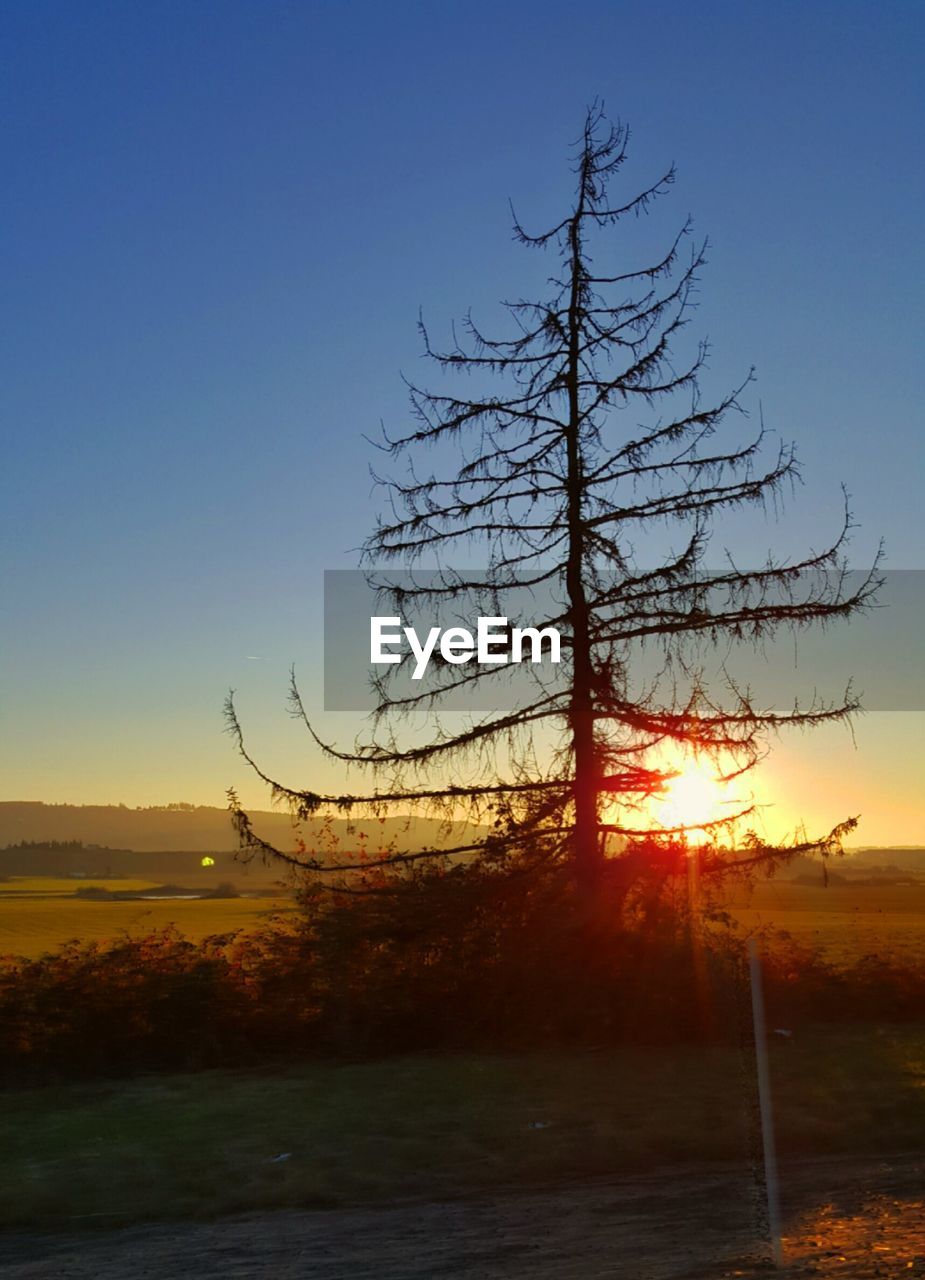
[{"x": 587, "y": 852}]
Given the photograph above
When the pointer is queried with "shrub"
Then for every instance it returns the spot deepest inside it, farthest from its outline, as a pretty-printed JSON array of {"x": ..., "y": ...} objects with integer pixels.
[{"x": 437, "y": 962}]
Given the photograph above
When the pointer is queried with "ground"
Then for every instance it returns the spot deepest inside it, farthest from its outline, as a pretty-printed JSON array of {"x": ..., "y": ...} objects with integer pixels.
[
  {"x": 844, "y": 1218},
  {"x": 211, "y": 1144},
  {"x": 404, "y": 1169}
]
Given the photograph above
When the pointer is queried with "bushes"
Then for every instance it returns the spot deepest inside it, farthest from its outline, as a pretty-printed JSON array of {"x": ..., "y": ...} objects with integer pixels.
[
  {"x": 437, "y": 963},
  {"x": 152, "y": 1003},
  {"x": 802, "y": 987}
]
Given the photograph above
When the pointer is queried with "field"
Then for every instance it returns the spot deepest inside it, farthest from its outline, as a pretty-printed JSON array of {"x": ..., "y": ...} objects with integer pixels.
[
  {"x": 843, "y": 922},
  {"x": 40, "y": 914}
]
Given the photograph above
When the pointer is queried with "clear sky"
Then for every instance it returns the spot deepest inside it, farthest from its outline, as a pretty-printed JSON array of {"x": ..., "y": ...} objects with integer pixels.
[{"x": 219, "y": 223}]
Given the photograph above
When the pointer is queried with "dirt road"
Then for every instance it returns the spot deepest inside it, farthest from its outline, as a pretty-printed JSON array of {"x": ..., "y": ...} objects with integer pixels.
[{"x": 846, "y": 1219}]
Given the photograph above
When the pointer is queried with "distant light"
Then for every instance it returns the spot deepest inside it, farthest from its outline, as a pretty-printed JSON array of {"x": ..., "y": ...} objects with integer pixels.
[{"x": 208, "y": 862}]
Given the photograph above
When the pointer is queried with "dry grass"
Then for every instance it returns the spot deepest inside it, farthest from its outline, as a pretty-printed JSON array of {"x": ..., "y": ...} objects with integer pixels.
[
  {"x": 841, "y": 923},
  {"x": 40, "y": 914}
]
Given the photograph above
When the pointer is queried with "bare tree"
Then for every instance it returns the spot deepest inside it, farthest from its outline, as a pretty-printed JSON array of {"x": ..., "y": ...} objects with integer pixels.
[{"x": 548, "y": 472}]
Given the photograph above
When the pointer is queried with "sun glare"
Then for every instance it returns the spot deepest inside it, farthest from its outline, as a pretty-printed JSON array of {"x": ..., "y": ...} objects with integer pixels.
[{"x": 696, "y": 795}]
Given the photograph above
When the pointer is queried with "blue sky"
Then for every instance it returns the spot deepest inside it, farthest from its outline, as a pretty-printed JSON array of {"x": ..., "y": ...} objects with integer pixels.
[{"x": 221, "y": 220}]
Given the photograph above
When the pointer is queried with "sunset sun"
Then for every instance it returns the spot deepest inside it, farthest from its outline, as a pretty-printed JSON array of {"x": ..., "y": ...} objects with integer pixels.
[{"x": 696, "y": 795}]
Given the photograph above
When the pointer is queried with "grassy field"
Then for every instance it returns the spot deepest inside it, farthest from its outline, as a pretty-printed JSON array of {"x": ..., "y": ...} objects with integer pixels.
[
  {"x": 218, "y": 1142},
  {"x": 39, "y": 914},
  {"x": 842, "y": 923}
]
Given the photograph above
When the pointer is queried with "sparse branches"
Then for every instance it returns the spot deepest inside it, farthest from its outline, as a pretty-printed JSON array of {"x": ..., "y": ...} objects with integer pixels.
[{"x": 584, "y": 433}]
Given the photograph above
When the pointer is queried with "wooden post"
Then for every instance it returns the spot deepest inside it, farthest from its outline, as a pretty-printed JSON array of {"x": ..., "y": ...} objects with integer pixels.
[{"x": 764, "y": 1102}]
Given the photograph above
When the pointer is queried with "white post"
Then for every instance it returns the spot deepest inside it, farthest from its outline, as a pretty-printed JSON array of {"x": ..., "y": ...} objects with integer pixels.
[{"x": 764, "y": 1102}]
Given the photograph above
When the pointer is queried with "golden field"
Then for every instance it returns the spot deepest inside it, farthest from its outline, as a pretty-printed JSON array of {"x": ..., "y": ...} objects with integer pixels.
[
  {"x": 843, "y": 923},
  {"x": 39, "y": 914}
]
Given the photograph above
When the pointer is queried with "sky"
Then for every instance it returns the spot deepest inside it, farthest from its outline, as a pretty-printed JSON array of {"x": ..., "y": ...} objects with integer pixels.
[{"x": 220, "y": 225}]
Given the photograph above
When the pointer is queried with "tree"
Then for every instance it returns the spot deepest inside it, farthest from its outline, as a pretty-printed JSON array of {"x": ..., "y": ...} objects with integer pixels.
[{"x": 553, "y": 478}]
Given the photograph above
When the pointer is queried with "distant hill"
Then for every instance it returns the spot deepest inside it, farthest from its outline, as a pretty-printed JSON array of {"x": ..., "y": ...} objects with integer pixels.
[
  {"x": 859, "y": 866},
  {"x": 188, "y": 831},
  {"x": 900, "y": 857},
  {"x": 200, "y": 828}
]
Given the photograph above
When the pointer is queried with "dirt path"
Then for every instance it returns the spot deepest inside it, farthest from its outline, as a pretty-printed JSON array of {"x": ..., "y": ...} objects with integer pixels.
[{"x": 856, "y": 1221}]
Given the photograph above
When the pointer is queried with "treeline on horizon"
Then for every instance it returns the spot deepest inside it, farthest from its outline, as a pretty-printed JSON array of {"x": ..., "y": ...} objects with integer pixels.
[
  {"x": 182, "y": 828},
  {"x": 75, "y": 858}
]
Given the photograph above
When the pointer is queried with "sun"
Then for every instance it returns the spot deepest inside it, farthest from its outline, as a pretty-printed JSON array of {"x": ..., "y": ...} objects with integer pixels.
[{"x": 695, "y": 797}]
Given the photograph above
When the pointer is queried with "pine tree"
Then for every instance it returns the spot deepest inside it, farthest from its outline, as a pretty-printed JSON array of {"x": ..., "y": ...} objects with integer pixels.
[{"x": 549, "y": 474}]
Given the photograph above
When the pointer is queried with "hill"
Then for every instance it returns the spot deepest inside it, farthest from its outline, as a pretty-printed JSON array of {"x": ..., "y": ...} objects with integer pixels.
[
  {"x": 903, "y": 858},
  {"x": 200, "y": 828}
]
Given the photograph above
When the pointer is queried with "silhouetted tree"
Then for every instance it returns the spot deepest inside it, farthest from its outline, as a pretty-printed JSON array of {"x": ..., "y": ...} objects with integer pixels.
[{"x": 547, "y": 471}]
